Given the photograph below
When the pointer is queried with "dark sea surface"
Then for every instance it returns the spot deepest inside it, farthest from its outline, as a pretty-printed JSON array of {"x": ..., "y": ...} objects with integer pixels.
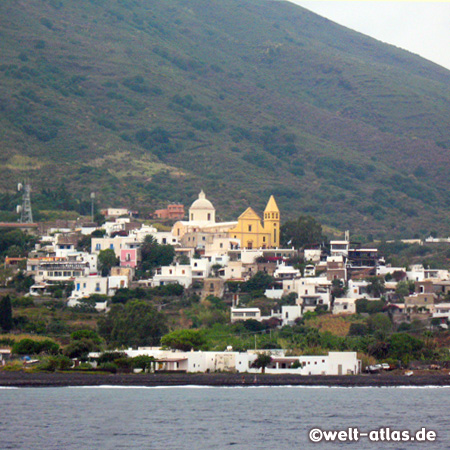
[{"x": 215, "y": 418}]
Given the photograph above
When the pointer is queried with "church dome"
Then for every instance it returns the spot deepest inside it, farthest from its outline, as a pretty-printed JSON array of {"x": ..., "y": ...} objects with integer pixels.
[{"x": 202, "y": 203}]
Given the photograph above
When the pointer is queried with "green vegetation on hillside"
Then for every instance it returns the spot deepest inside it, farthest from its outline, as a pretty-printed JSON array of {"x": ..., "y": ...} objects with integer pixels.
[{"x": 144, "y": 102}]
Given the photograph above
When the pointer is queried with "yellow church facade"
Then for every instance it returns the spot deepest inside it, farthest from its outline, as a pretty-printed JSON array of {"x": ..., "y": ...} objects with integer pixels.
[{"x": 256, "y": 233}]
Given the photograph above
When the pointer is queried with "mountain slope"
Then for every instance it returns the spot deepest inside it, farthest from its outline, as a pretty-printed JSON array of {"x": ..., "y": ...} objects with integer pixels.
[{"x": 146, "y": 102}]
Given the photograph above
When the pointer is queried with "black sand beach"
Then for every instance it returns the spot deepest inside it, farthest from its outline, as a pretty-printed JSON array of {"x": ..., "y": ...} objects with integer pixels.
[{"x": 24, "y": 379}]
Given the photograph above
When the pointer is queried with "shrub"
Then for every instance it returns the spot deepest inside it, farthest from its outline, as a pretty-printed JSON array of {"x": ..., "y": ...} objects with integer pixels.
[
  {"x": 108, "y": 367},
  {"x": 53, "y": 363},
  {"x": 108, "y": 357},
  {"x": 85, "y": 366},
  {"x": 46, "y": 22},
  {"x": 142, "y": 362}
]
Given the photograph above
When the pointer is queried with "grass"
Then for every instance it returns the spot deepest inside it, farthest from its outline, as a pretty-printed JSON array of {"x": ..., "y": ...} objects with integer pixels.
[{"x": 339, "y": 326}]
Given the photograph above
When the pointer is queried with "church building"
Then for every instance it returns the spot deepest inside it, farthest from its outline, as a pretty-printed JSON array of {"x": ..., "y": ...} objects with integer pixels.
[
  {"x": 249, "y": 230},
  {"x": 255, "y": 233}
]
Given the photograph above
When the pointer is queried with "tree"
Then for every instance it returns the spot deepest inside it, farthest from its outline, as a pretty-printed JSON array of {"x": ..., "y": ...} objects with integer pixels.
[
  {"x": 376, "y": 286},
  {"x": 84, "y": 244},
  {"x": 107, "y": 259},
  {"x": 20, "y": 243},
  {"x": 137, "y": 323},
  {"x": 339, "y": 289},
  {"x": 379, "y": 323},
  {"x": 6, "y": 322},
  {"x": 357, "y": 329},
  {"x": 301, "y": 232},
  {"x": 258, "y": 282},
  {"x": 30, "y": 347},
  {"x": 369, "y": 306},
  {"x": 184, "y": 340},
  {"x": 143, "y": 362},
  {"x": 403, "y": 346},
  {"x": 154, "y": 254},
  {"x": 262, "y": 361}
]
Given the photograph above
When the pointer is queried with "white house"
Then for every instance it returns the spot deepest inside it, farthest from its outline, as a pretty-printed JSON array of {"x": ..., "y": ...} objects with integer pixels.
[
  {"x": 245, "y": 314},
  {"x": 284, "y": 272},
  {"x": 344, "y": 306},
  {"x": 174, "y": 274},
  {"x": 116, "y": 243},
  {"x": 311, "y": 292},
  {"x": 335, "y": 363},
  {"x": 200, "y": 268},
  {"x": 88, "y": 285},
  {"x": 358, "y": 289},
  {"x": 116, "y": 282},
  {"x": 312, "y": 255},
  {"x": 290, "y": 313}
]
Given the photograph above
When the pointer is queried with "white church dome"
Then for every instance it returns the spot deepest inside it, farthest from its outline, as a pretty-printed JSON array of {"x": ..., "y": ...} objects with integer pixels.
[{"x": 202, "y": 203}]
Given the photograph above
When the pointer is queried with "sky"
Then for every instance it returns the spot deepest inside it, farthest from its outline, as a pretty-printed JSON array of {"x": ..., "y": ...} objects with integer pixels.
[{"x": 421, "y": 27}]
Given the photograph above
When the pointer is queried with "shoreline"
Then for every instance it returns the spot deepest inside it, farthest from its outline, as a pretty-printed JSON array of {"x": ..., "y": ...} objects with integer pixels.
[{"x": 26, "y": 379}]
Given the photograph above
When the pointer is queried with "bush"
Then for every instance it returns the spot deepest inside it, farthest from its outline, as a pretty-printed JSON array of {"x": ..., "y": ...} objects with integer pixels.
[
  {"x": 22, "y": 302},
  {"x": 108, "y": 367},
  {"x": 85, "y": 366},
  {"x": 108, "y": 357},
  {"x": 53, "y": 363},
  {"x": 124, "y": 362},
  {"x": 85, "y": 334},
  {"x": 357, "y": 329},
  {"x": 143, "y": 362}
]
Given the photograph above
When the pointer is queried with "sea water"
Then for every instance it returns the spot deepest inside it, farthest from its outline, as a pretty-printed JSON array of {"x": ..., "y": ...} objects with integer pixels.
[{"x": 214, "y": 418}]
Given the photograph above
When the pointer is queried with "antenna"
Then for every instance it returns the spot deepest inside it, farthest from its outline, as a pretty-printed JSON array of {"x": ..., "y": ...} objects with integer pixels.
[
  {"x": 92, "y": 205},
  {"x": 26, "y": 215}
]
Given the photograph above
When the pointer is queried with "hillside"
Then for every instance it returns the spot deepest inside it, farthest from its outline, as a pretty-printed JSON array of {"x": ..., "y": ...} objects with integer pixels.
[{"x": 145, "y": 102}]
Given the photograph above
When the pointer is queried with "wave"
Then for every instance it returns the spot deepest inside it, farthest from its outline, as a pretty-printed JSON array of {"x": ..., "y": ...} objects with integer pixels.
[{"x": 194, "y": 386}]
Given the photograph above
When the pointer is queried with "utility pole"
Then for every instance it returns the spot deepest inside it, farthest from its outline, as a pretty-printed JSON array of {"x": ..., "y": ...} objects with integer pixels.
[{"x": 92, "y": 205}]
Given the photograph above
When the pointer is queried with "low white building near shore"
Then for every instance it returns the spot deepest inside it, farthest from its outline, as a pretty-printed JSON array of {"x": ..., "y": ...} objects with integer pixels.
[{"x": 335, "y": 363}]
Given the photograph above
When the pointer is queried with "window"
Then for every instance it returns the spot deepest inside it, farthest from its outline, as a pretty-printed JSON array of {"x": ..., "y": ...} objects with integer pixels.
[
  {"x": 264, "y": 239},
  {"x": 111, "y": 246},
  {"x": 128, "y": 257},
  {"x": 249, "y": 228},
  {"x": 209, "y": 216},
  {"x": 98, "y": 247},
  {"x": 97, "y": 287},
  {"x": 192, "y": 216},
  {"x": 221, "y": 245}
]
